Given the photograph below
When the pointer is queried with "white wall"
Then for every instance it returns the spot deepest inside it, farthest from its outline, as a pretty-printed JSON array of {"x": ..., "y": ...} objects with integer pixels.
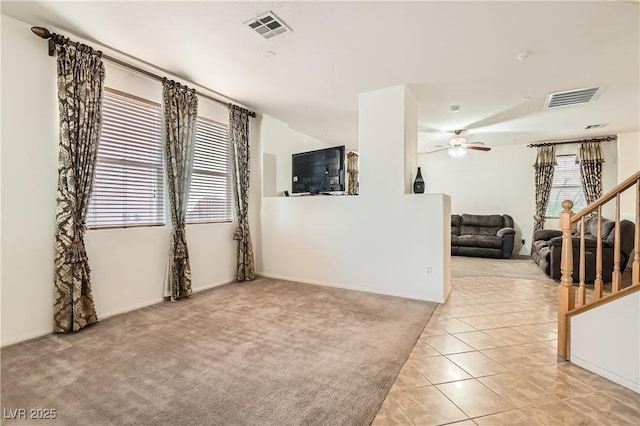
[
  {"x": 379, "y": 241},
  {"x": 128, "y": 265},
  {"x": 628, "y": 164},
  {"x": 606, "y": 340},
  {"x": 281, "y": 142},
  {"x": 501, "y": 181}
]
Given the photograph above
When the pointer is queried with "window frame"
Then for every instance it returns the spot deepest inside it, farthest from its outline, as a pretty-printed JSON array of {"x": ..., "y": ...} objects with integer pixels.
[
  {"x": 160, "y": 207},
  {"x": 210, "y": 173},
  {"x": 573, "y": 156}
]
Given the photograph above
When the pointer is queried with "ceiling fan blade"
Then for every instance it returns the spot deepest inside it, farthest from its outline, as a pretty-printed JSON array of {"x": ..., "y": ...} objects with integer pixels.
[
  {"x": 473, "y": 143},
  {"x": 437, "y": 150},
  {"x": 478, "y": 148}
]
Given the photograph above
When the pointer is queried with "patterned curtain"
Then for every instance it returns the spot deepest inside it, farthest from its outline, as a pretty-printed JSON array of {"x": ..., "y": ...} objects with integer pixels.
[
  {"x": 544, "y": 165},
  {"x": 353, "y": 169},
  {"x": 180, "y": 106},
  {"x": 80, "y": 83},
  {"x": 239, "y": 138},
  {"x": 590, "y": 158}
]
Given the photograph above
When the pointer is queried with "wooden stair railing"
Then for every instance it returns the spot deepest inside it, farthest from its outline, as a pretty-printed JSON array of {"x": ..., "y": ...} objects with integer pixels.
[{"x": 566, "y": 290}]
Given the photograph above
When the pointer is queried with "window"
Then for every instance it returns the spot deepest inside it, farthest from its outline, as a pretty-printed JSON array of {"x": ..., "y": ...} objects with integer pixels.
[
  {"x": 567, "y": 185},
  {"x": 210, "y": 193},
  {"x": 128, "y": 189}
]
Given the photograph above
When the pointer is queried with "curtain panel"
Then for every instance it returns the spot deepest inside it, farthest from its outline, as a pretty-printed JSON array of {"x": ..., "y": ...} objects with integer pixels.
[
  {"x": 544, "y": 167},
  {"x": 180, "y": 109},
  {"x": 80, "y": 84},
  {"x": 239, "y": 140},
  {"x": 590, "y": 158},
  {"x": 353, "y": 169}
]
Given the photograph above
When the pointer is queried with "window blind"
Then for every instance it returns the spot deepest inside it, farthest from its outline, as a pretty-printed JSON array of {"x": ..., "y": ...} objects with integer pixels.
[
  {"x": 567, "y": 185},
  {"x": 210, "y": 189},
  {"x": 128, "y": 189}
]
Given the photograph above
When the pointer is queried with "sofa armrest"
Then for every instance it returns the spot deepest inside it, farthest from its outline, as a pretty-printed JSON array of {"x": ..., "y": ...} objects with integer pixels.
[
  {"x": 546, "y": 234},
  {"x": 508, "y": 236},
  {"x": 505, "y": 231}
]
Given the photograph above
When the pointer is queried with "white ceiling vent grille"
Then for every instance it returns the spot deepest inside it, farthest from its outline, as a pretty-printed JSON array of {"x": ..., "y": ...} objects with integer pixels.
[
  {"x": 268, "y": 25},
  {"x": 572, "y": 97}
]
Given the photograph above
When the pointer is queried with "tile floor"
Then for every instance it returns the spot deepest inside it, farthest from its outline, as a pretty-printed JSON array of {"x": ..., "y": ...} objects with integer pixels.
[{"x": 488, "y": 357}]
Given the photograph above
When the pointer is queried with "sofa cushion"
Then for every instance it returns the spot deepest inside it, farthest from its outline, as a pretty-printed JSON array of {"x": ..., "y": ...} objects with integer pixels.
[
  {"x": 454, "y": 239},
  {"x": 478, "y": 230},
  {"x": 492, "y": 220},
  {"x": 455, "y": 224},
  {"x": 486, "y": 241}
]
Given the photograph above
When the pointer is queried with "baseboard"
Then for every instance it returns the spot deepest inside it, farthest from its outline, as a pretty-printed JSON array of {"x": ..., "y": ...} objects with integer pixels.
[
  {"x": 342, "y": 286},
  {"x": 101, "y": 316},
  {"x": 130, "y": 308},
  {"x": 607, "y": 374},
  {"x": 27, "y": 336}
]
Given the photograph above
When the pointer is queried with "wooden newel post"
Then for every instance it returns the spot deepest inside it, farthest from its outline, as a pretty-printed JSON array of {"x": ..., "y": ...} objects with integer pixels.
[{"x": 566, "y": 292}]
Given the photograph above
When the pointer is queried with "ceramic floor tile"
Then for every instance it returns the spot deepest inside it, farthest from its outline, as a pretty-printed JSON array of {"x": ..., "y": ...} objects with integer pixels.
[
  {"x": 476, "y": 364},
  {"x": 524, "y": 356},
  {"x": 463, "y": 423},
  {"x": 481, "y": 322},
  {"x": 390, "y": 414},
  {"x": 605, "y": 410},
  {"x": 423, "y": 350},
  {"x": 517, "y": 390},
  {"x": 474, "y": 398},
  {"x": 409, "y": 377},
  {"x": 508, "y": 336},
  {"x": 560, "y": 412},
  {"x": 516, "y": 418},
  {"x": 448, "y": 344},
  {"x": 450, "y": 325},
  {"x": 427, "y": 406},
  {"x": 479, "y": 340},
  {"x": 554, "y": 381},
  {"x": 439, "y": 369}
]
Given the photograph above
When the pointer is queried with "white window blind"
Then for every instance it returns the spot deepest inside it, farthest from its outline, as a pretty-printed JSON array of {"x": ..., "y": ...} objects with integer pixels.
[
  {"x": 567, "y": 185},
  {"x": 210, "y": 191},
  {"x": 128, "y": 189}
]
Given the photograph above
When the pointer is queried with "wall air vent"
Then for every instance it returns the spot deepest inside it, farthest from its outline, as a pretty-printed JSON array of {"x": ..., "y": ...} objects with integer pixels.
[
  {"x": 268, "y": 25},
  {"x": 572, "y": 97}
]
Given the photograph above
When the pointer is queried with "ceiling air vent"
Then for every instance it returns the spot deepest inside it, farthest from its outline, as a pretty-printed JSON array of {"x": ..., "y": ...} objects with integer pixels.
[
  {"x": 268, "y": 25},
  {"x": 572, "y": 97}
]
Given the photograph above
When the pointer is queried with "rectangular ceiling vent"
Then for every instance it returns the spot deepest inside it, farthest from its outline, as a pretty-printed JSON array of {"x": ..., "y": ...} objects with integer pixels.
[
  {"x": 572, "y": 97},
  {"x": 268, "y": 25}
]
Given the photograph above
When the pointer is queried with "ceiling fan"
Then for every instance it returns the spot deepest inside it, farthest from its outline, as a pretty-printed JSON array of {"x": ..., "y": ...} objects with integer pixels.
[{"x": 459, "y": 146}]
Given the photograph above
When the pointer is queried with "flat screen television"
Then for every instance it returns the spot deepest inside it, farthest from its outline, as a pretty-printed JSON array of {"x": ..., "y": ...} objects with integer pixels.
[{"x": 319, "y": 171}]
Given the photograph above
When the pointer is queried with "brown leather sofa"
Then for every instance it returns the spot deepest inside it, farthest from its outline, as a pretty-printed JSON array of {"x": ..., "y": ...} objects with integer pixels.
[
  {"x": 546, "y": 249},
  {"x": 482, "y": 235}
]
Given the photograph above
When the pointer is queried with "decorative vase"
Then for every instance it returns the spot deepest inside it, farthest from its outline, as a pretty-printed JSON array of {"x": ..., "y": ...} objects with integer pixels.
[{"x": 418, "y": 183}]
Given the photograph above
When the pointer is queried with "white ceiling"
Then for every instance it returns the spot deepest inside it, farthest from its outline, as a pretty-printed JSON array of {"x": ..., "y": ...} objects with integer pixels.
[{"x": 447, "y": 52}]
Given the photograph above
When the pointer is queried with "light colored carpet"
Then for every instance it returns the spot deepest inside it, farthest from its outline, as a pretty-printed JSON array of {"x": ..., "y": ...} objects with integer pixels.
[{"x": 268, "y": 352}]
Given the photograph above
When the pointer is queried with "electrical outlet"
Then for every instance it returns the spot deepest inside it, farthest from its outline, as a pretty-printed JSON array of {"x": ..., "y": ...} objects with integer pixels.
[
  {"x": 523, "y": 241},
  {"x": 428, "y": 270}
]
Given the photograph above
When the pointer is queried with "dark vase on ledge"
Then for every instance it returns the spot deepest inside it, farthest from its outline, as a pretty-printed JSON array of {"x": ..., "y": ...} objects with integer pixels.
[{"x": 418, "y": 183}]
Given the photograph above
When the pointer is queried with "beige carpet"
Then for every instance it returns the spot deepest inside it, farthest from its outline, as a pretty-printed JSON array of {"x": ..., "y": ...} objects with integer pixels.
[{"x": 264, "y": 353}]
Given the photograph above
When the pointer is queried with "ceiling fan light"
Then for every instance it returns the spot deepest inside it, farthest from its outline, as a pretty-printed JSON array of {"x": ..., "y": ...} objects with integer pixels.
[
  {"x": 457, "y": 151},
  {"x": 458, "y": 140}
]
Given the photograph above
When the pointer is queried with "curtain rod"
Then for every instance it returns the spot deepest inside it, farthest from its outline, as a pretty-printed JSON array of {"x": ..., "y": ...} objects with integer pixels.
[
  {"x": 58, "y": 39},
  {"x": 603, "y": 139}
]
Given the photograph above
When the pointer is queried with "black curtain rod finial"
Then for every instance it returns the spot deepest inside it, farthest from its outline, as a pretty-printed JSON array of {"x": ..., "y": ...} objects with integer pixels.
[{"x": 41, "y": 32}]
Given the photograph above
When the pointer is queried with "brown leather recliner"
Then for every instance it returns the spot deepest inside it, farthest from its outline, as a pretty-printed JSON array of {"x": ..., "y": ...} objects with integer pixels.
[
  {"x": 546, "y": 249},
  {"x": 482, "y": 235}
]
